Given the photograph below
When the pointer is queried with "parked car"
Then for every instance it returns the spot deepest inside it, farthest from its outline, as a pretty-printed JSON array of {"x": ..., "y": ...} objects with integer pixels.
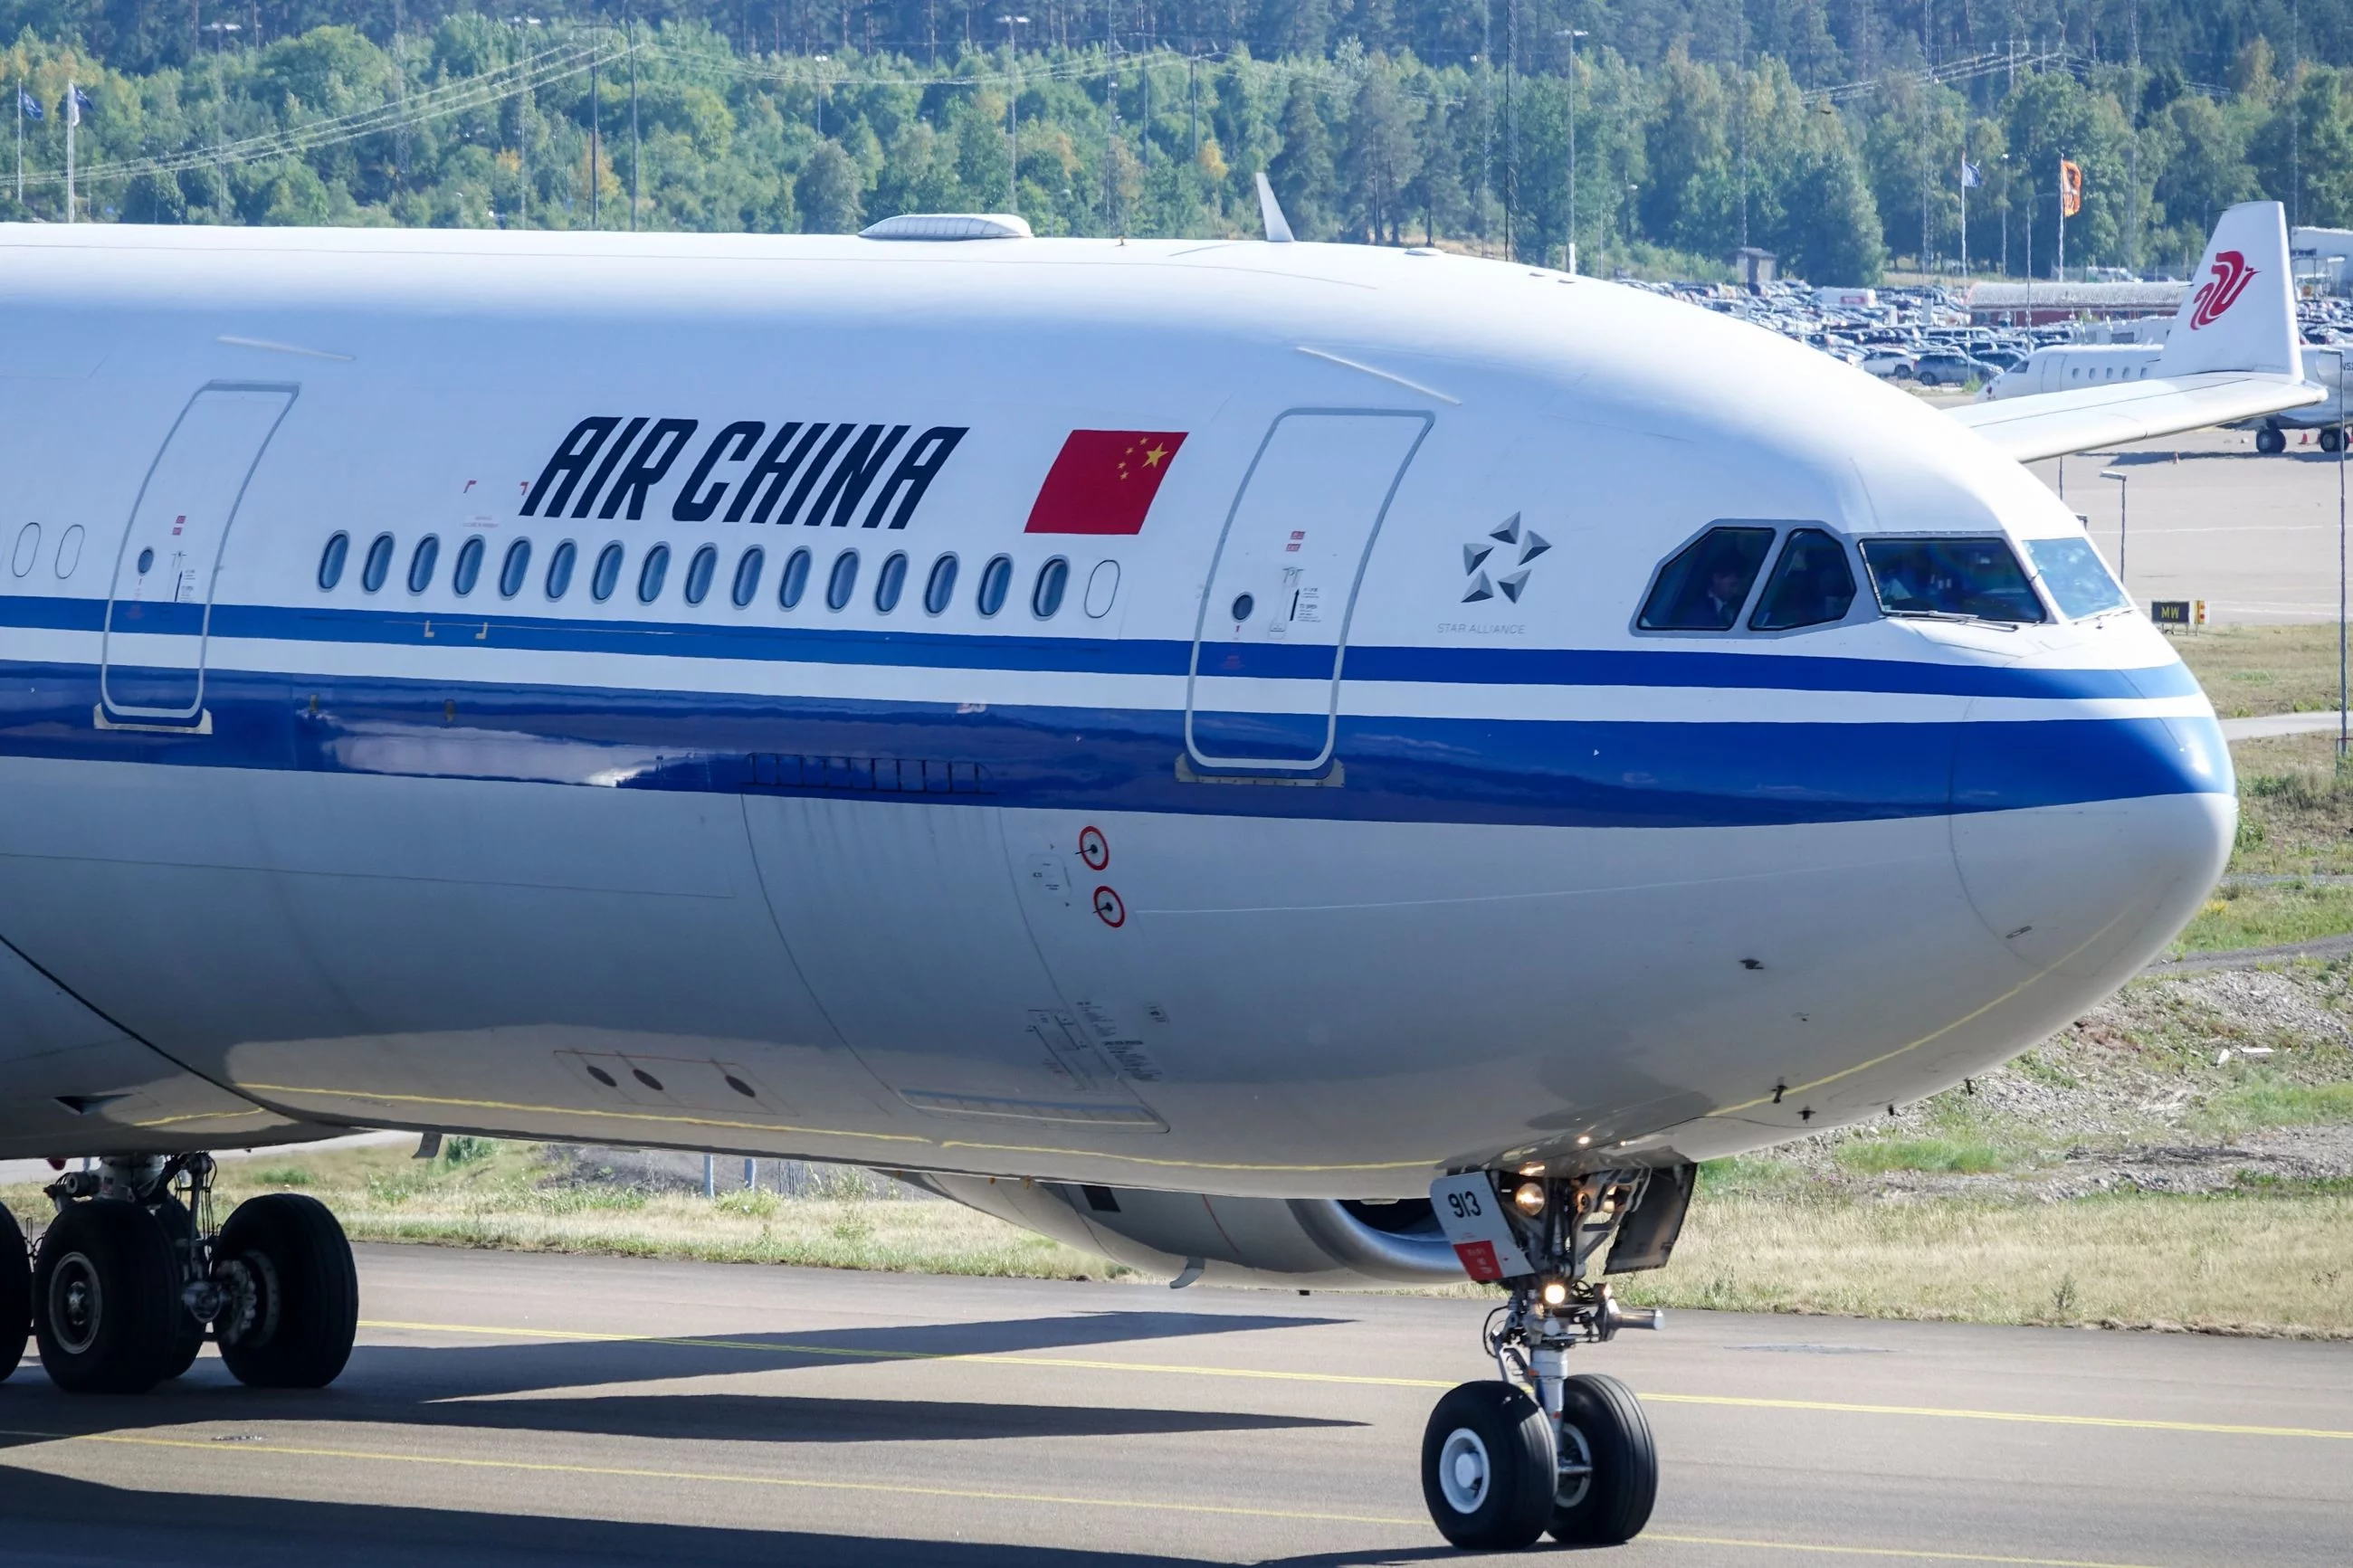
[
  {"x": 1891, "y": 363},
  {"x": 1952, "y": 370}
]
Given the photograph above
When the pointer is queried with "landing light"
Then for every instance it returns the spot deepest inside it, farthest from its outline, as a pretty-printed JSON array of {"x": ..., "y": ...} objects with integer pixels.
[
  {"x": 1529, "y": 1198},
  {"x": 1555, "y": 1292}
]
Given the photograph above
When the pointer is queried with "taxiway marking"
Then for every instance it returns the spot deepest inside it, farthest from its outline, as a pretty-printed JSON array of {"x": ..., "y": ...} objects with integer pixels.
[
  {"x": 988, "y": 1358},
  {"x": 974, "y": 1494}
]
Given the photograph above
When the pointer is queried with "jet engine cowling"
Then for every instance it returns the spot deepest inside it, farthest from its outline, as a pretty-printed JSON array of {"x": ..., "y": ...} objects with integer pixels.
[{"x": 1325, "y": 1243}]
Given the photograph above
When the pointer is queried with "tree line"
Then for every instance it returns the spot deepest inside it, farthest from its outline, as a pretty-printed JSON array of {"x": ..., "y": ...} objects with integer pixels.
[{"x": 1136, "y": 120}]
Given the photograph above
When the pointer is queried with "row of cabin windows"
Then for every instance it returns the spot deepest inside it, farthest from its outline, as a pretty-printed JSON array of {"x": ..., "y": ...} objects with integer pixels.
[
  {"x": 1706, "y": 586},
  {"x": 1047, "y": 591},
  {"x": 2131, "y": 372}
]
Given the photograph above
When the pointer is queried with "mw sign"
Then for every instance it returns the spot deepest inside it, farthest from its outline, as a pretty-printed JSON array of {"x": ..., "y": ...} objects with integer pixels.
[{"x": 2184, "y": 614}]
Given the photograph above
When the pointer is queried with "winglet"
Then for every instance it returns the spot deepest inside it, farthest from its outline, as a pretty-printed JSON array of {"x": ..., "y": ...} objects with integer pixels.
[
  {"x": 2240, "y": 311},
  {"x": 1277, "y": 227}
]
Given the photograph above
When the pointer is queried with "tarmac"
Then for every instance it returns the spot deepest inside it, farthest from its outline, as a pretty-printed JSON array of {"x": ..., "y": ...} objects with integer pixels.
[
  {"x": 2204, "y": 516},
  {"x": 519, "y": 1409}
]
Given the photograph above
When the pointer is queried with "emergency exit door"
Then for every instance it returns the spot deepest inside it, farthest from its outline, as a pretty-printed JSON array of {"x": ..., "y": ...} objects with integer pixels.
[
  {"x": 1273, "y": 625},
  {"x": 159, "y": 609}
]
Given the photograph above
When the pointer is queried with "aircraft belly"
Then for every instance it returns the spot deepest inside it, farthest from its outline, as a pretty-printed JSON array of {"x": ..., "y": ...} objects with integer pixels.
[{"x": 1246, "y": 1004}]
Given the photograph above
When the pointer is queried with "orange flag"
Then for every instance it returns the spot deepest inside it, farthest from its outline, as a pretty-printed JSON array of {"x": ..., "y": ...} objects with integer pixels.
[{"x": 2071, "y": 188}]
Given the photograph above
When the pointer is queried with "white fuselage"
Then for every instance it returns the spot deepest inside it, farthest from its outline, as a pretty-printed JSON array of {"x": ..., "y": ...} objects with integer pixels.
[{"x": 1407, "y": 863}]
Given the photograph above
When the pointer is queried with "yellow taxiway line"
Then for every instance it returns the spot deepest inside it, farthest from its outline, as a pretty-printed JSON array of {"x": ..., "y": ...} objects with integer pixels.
[
  {"x": 988, "y": 1358},
  {"x": 976, "y": 1494}
]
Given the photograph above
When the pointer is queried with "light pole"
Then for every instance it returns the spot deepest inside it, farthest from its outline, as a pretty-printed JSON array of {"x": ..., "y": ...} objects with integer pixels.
[
  {"x": 1632, "y": 190},
  {"x": 2337, "y": 414},
  {"x": 2124, "y": 519},
  {"x": 1568, "y": 244},
  {"x": 1012, "y": 113}
]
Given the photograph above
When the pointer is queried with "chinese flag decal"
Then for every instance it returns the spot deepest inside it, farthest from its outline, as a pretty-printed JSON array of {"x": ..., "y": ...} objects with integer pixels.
[{"x": 1103, "y": 482}]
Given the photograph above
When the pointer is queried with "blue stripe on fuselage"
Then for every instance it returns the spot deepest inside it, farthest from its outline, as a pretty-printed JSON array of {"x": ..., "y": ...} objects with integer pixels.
[
  {"x": 1566, "y": 774},
  {"x": 1758, "y": 666}
]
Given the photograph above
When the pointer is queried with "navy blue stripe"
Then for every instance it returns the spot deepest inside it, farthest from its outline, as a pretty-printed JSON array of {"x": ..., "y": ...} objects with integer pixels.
[
  {"x": 1757, "y": 667},
  {"x": 1482, "y": 771}
]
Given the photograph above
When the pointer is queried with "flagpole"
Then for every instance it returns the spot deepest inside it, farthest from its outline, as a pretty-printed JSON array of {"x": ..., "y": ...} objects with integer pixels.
[
  {"x": 1965, "y": 208},
  {"x": 20, "y": 141},
  {"x": 73, "y": 119},
  {"x": 2060, "y": 274}
]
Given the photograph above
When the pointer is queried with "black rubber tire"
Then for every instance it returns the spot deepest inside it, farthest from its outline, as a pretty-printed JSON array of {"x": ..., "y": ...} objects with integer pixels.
[
  {"x": 2331, "y": 437},
  {"x": 294, "y": 1293},
  {"x": 1514, "y": 1497},
  {"x": 1615, "y": 1503},
  {"x": 187, "y": 1329},
  {"x": 15, "y": 1293},
  {"x": 2271, "y": 441},
  {"x": 104, "y": 1294}
]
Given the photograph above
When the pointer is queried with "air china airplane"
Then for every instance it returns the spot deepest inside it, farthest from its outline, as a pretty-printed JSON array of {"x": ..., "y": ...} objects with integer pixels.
[{"x": 1273, "y": 761}]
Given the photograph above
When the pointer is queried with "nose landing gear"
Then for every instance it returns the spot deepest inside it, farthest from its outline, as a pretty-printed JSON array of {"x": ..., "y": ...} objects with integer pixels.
[
  {"x": 1539, "y": 1450},
  {"x": 128, "y": 1278}
]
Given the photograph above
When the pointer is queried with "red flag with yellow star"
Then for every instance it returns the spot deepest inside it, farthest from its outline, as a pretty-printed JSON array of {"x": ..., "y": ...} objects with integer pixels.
[{"x": 1103, "y": 482}]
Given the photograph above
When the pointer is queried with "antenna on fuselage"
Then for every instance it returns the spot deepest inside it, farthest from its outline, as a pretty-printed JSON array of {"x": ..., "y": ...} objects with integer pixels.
[{"x": 1277, "y": 227}]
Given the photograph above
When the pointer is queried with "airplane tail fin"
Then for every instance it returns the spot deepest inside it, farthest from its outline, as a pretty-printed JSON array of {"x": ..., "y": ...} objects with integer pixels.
[{"x": 2239, "y": 312}]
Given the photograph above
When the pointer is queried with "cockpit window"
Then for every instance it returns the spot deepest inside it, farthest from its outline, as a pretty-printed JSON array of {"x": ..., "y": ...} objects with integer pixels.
[
  {"x": 1705, "y": 586},
  {"x": 1959, "y": 579},
  {"x": 1811, "y": 584},
  {"x": 2077, "y": 576}
]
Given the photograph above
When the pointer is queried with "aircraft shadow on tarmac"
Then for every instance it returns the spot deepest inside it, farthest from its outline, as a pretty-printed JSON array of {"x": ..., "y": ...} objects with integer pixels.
[
  {"x": 475, "y": 1385},
  {"x": 55, "y": 1520}
]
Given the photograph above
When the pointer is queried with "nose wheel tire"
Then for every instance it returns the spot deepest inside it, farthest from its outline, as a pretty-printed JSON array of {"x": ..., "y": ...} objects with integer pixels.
[
  {"x": 15, "y": 1293},
  {"x": 1489, "y": 1469},
  {"x": 1604, "y": 1431},
  {"x": 293, "y": 1295},
  {"x": 105, "y": 1299}
]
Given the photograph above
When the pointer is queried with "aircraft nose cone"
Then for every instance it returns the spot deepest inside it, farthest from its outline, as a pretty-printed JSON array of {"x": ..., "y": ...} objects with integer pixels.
[{"x": 2085, "y": 844}]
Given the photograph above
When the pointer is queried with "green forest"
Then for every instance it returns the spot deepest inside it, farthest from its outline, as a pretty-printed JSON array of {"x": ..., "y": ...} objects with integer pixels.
[{"x": 1835, "y": 132}]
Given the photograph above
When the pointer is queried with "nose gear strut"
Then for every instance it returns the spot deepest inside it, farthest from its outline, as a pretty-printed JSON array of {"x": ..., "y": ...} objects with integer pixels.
[{"x": 1545, "y": 1450}]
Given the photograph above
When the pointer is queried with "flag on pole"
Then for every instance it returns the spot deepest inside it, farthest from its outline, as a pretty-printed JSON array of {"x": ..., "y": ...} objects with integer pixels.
[
  {"x": 2071, "y": 188},
  {"x": 76, "y": 102},
  {"x": 28, "y": 105},
  {"x": 1971, "y": 178}
]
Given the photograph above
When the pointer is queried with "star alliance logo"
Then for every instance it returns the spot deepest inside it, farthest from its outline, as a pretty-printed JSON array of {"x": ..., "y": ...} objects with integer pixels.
[{"x": 1510, "y": 574}]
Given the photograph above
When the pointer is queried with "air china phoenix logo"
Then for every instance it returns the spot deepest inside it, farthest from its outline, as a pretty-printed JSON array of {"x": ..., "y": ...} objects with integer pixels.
[{"x": 2220, "y": 292}]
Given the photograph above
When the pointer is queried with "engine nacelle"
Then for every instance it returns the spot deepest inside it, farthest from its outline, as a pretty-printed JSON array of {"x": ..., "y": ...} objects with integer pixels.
[{"x": 1328, "y": 1243}]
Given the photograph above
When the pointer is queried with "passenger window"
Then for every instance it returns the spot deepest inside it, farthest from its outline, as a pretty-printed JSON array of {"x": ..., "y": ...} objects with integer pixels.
[
  {"x": 995, "y": 581},
  {"x": 469, "y": 566},
  {"x": 514, "y": 569},
  {"x": 331, "y": 561},
  {"x": 559, "y": 569},
  {"x": 747, "y": 575},
  {"x": 843, "y": 582},
  {"x": 374, "y": 570},
  {"x": 421, "y": 562},
  {"x": 1703, "y": 588},
  {"x": 699, "y": 573},
  {"x": 1961, "y": 579},
  {"x": 651, "y": 573},
  {"x": 1811, "y": 584},
  {"x": 939, "y": 589},
  {"x": 892, "y": 582},
  {"x": 794, "y": 581},
  {"x": 607, "y": 575},
  {"x": 1047, "y": 598}
]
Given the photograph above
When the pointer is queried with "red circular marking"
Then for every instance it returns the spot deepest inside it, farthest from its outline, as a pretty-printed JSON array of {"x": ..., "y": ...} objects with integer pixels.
[
  {"x": 1094, "y": 849},
  {"x": 1109, "y": 909}
]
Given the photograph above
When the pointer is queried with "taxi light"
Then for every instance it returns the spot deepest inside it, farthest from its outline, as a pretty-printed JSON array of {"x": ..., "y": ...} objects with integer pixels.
[
  {"x": 1529, "y": 1198},
  {"x": 1555, "y": 1292}
]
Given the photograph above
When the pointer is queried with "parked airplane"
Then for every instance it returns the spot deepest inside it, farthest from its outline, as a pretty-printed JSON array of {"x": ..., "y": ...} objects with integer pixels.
[{"x": 1270, "y": 760}]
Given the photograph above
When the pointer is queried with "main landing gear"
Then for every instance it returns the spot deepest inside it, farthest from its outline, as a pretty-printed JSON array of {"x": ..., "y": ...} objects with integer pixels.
[
  {"x": 1504, "y": 1462},
  {"x": 2270, "y": 440},
  {"x": 130, "y": 1277}
]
